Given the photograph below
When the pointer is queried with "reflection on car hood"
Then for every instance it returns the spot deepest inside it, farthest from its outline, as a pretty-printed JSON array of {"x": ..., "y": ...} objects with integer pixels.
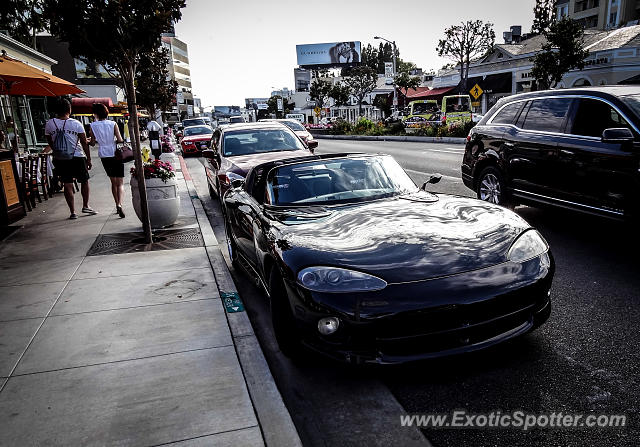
[
  {"x": 400, "y": 240},
  {"x": 240, "y": 164}
]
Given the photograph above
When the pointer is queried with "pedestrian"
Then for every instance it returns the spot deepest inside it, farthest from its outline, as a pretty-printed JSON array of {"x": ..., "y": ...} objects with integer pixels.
[
  {"x": 64, "y": 131},
  {"x": 106, "y": 133}
]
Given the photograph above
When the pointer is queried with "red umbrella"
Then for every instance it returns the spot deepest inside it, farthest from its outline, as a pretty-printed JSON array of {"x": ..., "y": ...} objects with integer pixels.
[{"x": 18, "y": 78}]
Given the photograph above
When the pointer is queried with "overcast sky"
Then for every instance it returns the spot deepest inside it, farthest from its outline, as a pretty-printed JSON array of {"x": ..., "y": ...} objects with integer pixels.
[{"x": 242, "y": 48}]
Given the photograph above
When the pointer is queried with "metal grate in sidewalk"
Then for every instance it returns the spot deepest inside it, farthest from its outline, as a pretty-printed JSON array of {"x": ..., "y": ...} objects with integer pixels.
[{"x": 119, "y": 243}]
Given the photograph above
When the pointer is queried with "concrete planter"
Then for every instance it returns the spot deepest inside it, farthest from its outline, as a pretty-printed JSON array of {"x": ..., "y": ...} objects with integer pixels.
[{"x": 163, "y": 200}]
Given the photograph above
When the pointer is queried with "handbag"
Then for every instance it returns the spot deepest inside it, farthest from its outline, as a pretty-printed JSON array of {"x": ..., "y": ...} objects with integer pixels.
[{"x": 124, "y": 153}]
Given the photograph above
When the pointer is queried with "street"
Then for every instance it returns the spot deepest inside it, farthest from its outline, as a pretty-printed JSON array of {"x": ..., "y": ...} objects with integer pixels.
[{"x": 584, "y": 359}]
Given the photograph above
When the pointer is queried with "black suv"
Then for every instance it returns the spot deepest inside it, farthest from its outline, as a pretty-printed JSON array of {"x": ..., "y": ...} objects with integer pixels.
[{"x": 575, "y": 148}]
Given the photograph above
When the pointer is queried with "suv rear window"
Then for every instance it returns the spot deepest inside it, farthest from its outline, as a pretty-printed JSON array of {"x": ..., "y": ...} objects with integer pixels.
[
  {"x": 508, "y": 114},
  {"x": 594, "y": 116},
  {"x": 547, "y": 114}
]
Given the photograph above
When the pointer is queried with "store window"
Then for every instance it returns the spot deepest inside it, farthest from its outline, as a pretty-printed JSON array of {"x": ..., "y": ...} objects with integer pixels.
[{"x": 39, "y": 116}]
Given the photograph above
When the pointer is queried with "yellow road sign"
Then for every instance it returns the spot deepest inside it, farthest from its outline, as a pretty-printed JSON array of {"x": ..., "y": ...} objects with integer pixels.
[
  {"x": 476, "y": 91},
  {"x": 317, "y": 110}
]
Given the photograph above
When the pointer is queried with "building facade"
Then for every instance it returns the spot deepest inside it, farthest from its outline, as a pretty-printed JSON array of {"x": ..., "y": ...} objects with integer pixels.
[
  {"x": 614, "y": 58},
  {"x": 29, "y": 113},
  {"x": 600, "y": 14},
  {"x": 180, "y": 72}
]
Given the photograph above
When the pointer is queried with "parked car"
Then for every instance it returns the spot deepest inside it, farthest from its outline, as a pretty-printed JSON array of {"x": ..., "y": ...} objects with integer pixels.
[
  {"x": 236, "y": 148},
  {"x": 364, "y": 266},
  {"x": 195, "y": 122},
  {"x": 195, "y": 139},
  {"x": 299, "y": 129},
  {"x": 575, "y": 148}
]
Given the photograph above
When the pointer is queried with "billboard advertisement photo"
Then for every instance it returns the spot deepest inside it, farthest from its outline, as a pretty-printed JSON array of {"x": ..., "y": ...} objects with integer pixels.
[{"x": 330, "y": 54}]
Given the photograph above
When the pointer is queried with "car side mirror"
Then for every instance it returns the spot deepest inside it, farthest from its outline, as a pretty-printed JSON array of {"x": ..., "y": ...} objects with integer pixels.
[
  {"x": 312, "y": 145},
  {"x": 209, "y": 154},
  {"x": 616, "y": 135},
  {"x": 435, "y": 178}
]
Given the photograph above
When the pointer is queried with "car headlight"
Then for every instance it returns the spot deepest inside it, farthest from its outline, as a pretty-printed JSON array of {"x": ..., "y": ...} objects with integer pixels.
[
  {"x": 229, "y": 177},
  {"x": 528, "y": 245},
  {"x": 337, "y": 280}
]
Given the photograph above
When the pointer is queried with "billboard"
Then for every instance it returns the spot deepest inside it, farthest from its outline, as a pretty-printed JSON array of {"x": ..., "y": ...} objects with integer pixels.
[
  {"x": 388, "y": 73},
  {"x": 86, "y": 68},
  {"x": 330, "y": 54},
  {"x": 256, "y": 103},
  {"x": 226, "y": 111}
]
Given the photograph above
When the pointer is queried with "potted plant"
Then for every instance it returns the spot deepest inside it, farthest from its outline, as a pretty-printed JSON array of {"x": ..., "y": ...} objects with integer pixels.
[{"x": 162, "y": 193}]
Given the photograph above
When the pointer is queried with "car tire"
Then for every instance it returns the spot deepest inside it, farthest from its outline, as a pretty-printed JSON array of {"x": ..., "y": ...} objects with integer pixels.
[
  {"x": 490, "y": 187},
  {"x": 282, "y": 320}
]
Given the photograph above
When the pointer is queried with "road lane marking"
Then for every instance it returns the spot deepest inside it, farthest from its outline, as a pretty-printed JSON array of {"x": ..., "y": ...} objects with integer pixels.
[{"x": 448, "y": 177}]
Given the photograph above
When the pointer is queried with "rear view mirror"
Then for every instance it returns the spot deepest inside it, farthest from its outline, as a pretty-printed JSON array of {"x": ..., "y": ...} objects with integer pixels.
[
  {"x": 312, "y": 145},
  {"x": 208, "y": 153},
  {"x": 237, "y": 183},
  {"x": 435, "y": 178},
  {"x": 617, "y": 136}
]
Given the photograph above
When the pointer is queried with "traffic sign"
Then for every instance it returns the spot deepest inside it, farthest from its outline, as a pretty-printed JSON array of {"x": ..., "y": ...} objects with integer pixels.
[
  {"x": 280, "y": 104},
  {"x": 317, "y": 111},
  {"x": 476, "y": 91}
]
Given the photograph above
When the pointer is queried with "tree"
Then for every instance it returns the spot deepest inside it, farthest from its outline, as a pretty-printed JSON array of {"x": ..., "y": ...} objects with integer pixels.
[
  {"x": 340, "y": 94},
  {"x": 272, "y": 106},
  {"x": 404, "y": 81},
  {"x": 466, "y": 42},
  {"x": 320, "y": 91},
  {"x": 155, "y": 90},
  {"x": 563, "y": 51},
  {"x": 115, "y": 33},
  {"x": 543, "y": 16},
  {"x": 383, "y": 102},
  {"x": 22, "y": 19},
  {"x": 361, "y": 81}
]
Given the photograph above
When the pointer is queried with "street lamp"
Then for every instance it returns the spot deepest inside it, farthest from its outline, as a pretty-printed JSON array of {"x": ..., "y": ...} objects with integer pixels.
[{"x": 395, "y": 90}]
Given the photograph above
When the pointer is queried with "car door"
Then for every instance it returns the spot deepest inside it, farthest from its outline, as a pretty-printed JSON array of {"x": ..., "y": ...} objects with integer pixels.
[
  {"x": 211, "y": 167},
  {"x": 596, "y": 173},
  {"x": 532, "y": 146},
  {"x": 243, "y": 212}
]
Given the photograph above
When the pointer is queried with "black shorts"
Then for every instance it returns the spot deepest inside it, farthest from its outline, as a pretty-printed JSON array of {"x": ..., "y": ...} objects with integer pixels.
[
  {"x": 75, "y": 168},
  {"x": 113, "y": 167}
]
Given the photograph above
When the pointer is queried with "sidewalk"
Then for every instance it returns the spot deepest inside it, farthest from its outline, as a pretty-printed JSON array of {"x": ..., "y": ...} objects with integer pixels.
[{"x": 126, "y": 349}]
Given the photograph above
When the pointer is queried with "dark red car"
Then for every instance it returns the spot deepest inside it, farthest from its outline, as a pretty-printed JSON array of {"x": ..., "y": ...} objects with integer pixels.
[
  {"x": 195, "y": 139},
  {"x": 236, "y": 148}
]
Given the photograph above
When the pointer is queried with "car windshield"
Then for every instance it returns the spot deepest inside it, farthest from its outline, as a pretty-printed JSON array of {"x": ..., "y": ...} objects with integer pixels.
[
  {"x": 294, "y": 125},
  {"x": 424, "y": 108},
  {"x": 255, "y": 141},
  {"x": 633, "y": 102},
  {"x": 197, "y": 130},
  {"x": 333, "y": 181},
  {"x": 193, "y": 122}
]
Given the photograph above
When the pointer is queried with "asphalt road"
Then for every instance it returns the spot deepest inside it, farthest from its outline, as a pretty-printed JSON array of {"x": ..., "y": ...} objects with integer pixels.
[{"x": 584, "y": 360}]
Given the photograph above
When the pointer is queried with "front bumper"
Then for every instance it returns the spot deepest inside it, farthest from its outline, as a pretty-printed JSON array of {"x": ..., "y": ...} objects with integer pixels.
[
  {"x": 195, "y": 148},
  {"x": 431, "y": 318}
]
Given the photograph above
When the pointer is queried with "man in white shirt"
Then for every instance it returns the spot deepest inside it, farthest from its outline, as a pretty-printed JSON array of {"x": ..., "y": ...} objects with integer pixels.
[{"x": 76, "y": 167}]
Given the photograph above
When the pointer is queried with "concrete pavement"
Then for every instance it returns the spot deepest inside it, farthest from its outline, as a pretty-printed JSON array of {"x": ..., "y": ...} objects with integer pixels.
[{"x": 126, "y": 349}]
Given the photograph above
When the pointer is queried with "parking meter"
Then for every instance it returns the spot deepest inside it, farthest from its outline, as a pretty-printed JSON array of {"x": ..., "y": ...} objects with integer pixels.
[{"x": 154, "y": 138}]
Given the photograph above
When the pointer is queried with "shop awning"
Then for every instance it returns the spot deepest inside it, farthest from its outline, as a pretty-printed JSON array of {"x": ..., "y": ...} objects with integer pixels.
[
  {"x": 428, "y": 93},
  {"x": 633, "y": 80},
  {"x": 494, "y": 83},
  {"x": 18, "y": 78}
]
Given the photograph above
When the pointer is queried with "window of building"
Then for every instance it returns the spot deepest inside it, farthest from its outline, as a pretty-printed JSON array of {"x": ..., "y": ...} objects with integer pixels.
[
  {"x": 547, "y": 115},
  {"x": 594, "y": 116},
  {"x": 508, "y": 114}
]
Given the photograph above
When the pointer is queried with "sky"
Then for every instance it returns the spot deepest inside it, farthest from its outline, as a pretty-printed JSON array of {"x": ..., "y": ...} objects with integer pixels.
[{"x": 247, "y": 48}]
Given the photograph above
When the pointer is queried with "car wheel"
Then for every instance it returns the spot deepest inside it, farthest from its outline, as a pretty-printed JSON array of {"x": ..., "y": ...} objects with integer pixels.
[
  {"x": 231, "y": 246},
  {"x": 491, "y": 188},
  {"x": 282, "y": 319}
]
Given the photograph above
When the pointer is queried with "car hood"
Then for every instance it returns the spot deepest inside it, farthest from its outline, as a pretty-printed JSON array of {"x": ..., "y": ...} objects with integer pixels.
[
  {"x": 401, "y": 240},
  {"x": 240, "y": 164},
  {"x": 206, "y": 137}
]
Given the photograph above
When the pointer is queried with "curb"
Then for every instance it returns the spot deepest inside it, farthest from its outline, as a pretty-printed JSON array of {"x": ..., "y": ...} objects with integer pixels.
[
  {"x": 273, "y": 417},
  {"x": 407, "y": 138}
]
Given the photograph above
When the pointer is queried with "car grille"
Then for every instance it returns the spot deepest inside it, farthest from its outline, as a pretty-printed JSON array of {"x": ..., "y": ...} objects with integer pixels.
[{"x": 454, "y": 326}]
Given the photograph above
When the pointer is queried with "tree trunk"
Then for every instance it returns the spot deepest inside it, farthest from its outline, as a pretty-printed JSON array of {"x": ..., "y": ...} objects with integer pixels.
[{"x": 137, "y": 152}]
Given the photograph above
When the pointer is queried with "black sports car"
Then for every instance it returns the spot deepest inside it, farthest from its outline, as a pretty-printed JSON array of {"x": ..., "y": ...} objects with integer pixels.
[{"x": 361, "y": 264}]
